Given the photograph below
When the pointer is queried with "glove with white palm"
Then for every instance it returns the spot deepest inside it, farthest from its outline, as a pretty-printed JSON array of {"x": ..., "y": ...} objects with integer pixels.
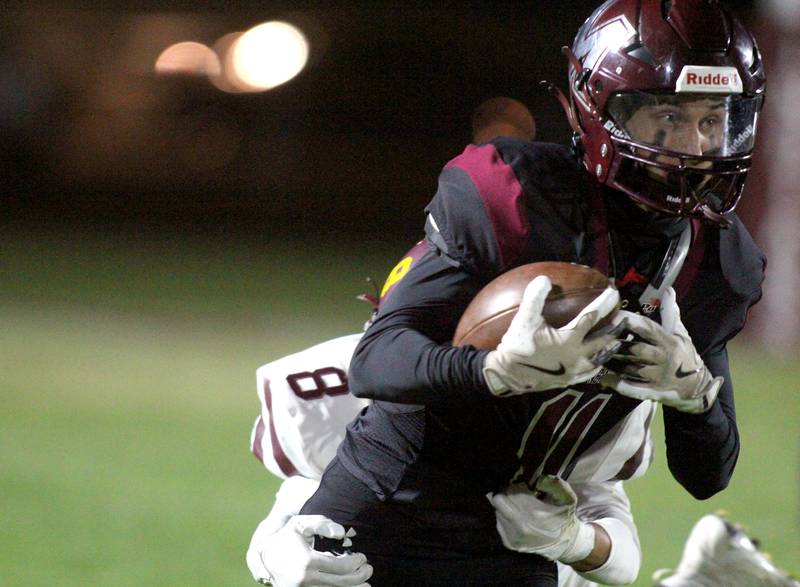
[
  {"x": 533, "y": 356},
  {"x": 287, "y": 558},
  {"x": 543, "y": 521},
  {"x": 664, "y": 365}
]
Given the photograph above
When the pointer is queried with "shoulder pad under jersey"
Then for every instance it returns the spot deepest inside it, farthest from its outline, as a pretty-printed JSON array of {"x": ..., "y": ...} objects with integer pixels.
[
  {"x": 742, "y": 261},
  {"x": 478, "y": 212},
  {"x": 722, "y": 279}
]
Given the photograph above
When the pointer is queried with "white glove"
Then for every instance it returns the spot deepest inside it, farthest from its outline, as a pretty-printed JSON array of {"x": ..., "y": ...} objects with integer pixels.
[
  {"x": 543, "y": 522},
  {"x": 666, "y": 367},
  {"x": 286, "y": 558},
  {"x": 533, "y": 356}
]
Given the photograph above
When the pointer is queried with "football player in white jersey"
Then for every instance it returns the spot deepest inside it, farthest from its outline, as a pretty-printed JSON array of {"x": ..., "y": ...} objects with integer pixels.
[{"x": 304, "y": 410}]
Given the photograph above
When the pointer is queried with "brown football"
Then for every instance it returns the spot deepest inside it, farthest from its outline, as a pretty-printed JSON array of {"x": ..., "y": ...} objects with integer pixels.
[{"x": 488, "y": 316}]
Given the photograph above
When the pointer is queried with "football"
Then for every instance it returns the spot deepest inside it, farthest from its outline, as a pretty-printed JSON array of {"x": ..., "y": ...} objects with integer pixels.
[{"x": 488, "y": 316}]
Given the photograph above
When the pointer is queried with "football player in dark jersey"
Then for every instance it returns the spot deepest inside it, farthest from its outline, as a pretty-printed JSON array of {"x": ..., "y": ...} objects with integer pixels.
[{"x": 664, "y": 99}]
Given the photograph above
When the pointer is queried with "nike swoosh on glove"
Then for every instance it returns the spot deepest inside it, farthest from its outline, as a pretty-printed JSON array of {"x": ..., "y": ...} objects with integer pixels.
[
  {"x": 543, "y": 521},
  {"x": 533, "y": 356},
  {"x": 665, "y": 366},
  {"x": 287, "y": 558}
]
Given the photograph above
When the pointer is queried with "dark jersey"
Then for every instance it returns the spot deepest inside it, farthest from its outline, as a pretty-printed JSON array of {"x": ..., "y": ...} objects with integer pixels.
[{"x": 436, "y": 441}]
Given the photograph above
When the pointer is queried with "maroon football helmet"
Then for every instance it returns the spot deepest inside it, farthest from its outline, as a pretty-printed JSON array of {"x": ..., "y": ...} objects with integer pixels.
[{"x": 665, "y": 97}]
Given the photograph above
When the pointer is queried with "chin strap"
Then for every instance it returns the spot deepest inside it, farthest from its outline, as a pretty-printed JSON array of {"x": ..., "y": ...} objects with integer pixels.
[
  {"x": 715, "y": 217},
  {"x": 671, "y": 266},
  {"x": 569, "y": 110},
  {"x": 566, "y": 104}
]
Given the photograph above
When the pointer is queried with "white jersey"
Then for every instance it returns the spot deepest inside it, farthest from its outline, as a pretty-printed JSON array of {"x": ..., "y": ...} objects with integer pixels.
[
  {"x": 623, "y": 453},
  {"x": 305, "y": 407}
]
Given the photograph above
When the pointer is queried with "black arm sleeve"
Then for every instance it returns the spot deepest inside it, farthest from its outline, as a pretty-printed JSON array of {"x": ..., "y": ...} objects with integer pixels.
[
  {"x": 702, "y": 449},
  {"x": 477, "y": 227},
  {"x": 404, "y": 356}
]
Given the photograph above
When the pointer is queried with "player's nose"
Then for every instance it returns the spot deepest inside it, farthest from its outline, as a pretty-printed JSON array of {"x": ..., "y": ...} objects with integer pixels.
[{"x": 692, "y": 143}]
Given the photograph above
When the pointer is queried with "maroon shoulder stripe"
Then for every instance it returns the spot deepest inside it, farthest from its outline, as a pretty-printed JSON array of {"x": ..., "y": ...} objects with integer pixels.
[{"x": 501, "y": 193}]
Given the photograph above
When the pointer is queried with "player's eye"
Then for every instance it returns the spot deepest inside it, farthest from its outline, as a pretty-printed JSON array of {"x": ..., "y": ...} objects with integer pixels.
[
  {"x": 669, "y": 117},
  {"x": 709, "y": 123}
]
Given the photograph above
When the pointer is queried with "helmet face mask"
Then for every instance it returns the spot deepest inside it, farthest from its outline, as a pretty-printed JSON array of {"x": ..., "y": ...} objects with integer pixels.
[
  {"x": 667, "y": 111},
  {"x": 687, "y": 152}
]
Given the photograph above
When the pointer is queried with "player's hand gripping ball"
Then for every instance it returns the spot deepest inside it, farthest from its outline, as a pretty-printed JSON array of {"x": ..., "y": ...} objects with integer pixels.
[{"x": 544, "y": 324}]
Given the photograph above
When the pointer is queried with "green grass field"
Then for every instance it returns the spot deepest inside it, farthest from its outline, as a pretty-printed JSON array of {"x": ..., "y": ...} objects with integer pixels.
[{"x": 127, "y": 388}]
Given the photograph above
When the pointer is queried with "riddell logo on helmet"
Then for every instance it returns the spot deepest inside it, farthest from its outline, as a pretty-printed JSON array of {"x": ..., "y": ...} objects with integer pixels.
[
  {"x": 709, "y": 79},
  {"x": 698, "y": 78},
  {"x": 615, "y": 130}
]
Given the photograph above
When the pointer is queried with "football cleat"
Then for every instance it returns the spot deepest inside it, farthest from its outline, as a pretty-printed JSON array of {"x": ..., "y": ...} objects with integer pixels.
[{"x": 718, "y": 553}]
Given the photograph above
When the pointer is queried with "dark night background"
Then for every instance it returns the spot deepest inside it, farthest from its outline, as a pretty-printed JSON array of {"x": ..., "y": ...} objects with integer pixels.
[{"x": 92, "y": 138}]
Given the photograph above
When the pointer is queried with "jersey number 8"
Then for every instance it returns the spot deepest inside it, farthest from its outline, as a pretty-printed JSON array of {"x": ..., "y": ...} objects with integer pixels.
[{"x": 310, "y": 385}]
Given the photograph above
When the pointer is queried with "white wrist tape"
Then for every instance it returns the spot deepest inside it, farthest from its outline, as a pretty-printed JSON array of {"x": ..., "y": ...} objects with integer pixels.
[{"x": 582, "y": 545}]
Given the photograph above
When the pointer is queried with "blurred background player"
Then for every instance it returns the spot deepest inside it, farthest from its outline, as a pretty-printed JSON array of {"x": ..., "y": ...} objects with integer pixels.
[
  {"x": 502, "y": 117},
  {"x": 718, "y": 553},
  {"x": 303, "y": 419}
]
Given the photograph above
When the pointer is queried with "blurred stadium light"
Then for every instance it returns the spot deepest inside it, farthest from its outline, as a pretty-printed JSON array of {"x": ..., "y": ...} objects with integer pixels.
[
  {"x": 223, "y": 47},
  {"x": 188, "y": 57},
  {"x": 262, "y": 58},
  {"x": 269, "y": 55}
]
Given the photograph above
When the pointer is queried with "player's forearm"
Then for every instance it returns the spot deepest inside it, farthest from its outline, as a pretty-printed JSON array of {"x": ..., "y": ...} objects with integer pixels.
[
  {"x": 599, "y": 554},
  {"x": 606, "y": 506},
  {"x": 402, "y": 365},
  {"x": 616, "y": 557},
  {"x": 702, "y": 449},
  {"x": 405, "y": 354}
]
